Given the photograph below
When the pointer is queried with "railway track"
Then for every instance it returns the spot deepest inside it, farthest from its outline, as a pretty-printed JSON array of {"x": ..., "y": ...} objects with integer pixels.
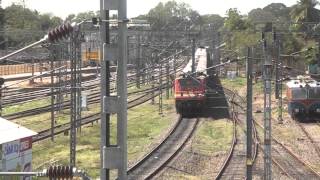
[
  {"x": 22, "y": 96},
  {"x": 59, "y": 129},
  {"x": 93, "y": 98},
  {"x": 309, "y": 136},
  {"x": 161, "y": 155},
  {"x": 17, "y": 96},
  {"x": 39, "y": 94},
  {"x": 290, "y": 163},
  {"x": 234, "y": 166}
]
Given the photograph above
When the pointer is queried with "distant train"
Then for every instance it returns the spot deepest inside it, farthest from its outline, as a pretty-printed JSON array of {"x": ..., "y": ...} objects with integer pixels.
[
  {"x": 190, "y": 88},
  {"x": 91, "y": 58},
  {"x": 304, "y": 99}
]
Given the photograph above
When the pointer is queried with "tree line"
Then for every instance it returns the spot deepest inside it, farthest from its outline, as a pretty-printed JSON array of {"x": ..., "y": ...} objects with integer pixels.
[{"x": 19, "y": 25}]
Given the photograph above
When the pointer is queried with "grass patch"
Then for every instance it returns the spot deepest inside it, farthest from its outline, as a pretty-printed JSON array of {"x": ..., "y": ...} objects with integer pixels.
[
  {"x": 234, "y": 83},
  {"x": 213, "y": 137},
  {"x": 145, "y": 125},
  {"x": 134, "y": 88},
  {"x": 26, "y": 106}
]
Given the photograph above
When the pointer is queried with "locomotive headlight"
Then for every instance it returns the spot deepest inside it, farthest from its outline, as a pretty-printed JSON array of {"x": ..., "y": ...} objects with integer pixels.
[
  {"x": 296, "y": 110},
  {"x": 318, "y": 110}
]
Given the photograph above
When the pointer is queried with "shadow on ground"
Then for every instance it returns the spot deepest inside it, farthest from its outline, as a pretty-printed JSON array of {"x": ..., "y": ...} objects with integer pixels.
[{"x": 216, "y": 105}]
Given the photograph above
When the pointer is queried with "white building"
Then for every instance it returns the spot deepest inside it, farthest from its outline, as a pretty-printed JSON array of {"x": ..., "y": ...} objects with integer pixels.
[{"x": 15, "y": 148}]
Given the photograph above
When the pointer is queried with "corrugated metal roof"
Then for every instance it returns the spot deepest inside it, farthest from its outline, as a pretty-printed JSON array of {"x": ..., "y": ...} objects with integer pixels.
[{"x": 10, "y": 131}]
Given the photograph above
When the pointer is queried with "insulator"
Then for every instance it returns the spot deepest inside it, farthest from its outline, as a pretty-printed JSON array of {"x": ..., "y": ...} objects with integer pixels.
[
  {"x": 60, "y": 172},
  {"x": 69, "y": 28},
  {"x": 52, "y": 36},
  {"x": 63, "y": 30},
  {"x": 58, "y": 33},
  {"x": 1, "y": 81}
]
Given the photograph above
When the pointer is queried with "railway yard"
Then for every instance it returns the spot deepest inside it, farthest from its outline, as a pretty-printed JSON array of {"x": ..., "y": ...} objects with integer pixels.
[{"x": 167, "y": 95}]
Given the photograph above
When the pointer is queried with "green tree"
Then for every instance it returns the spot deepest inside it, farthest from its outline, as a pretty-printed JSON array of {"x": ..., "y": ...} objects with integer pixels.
[
  {"x": 22, "y": 25},
  {"x": 173, "y": 14},
  {"x": 214, "y": 20},
  {"x": 56, "y": 21},
  {"x": 47, "y": 21},
  {"x": 305, "y": 11},
  {"x": 2, "y": 43},
  {"x": 235, "y": 21},
  {"x": 278, "y": 10},
  {"x": 83, "y": 16},
  {"x": 260, "y": 15},
  {"x": 70, "y": 18}
]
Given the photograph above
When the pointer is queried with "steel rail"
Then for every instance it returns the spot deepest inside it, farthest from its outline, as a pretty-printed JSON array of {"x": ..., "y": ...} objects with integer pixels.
[
  {"x": 292, "y": 154},
  {"x": 44, "y": 134}
]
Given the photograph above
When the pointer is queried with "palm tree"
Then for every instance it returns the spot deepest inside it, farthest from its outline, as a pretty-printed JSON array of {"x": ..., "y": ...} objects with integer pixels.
[{"x": 305, "y": 11}]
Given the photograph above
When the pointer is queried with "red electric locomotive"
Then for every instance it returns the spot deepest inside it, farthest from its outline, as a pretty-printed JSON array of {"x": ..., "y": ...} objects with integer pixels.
[
  {"x": 304, "y": 99},
  {"x": 189, "y": 94},
  {"x": 190, "y": 87}
]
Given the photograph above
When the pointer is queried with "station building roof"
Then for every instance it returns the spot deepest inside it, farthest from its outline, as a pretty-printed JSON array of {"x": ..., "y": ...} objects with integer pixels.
[{"x": 10, "y": 131}]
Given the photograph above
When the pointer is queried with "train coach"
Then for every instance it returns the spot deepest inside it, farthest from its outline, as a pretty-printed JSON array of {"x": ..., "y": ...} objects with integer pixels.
[
  {"x": 304, "y": 99},
  {"x": 190, "y": 87}
]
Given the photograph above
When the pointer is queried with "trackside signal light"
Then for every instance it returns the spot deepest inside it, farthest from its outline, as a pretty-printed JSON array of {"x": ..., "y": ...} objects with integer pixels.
[{"x": 60, "y": 32}]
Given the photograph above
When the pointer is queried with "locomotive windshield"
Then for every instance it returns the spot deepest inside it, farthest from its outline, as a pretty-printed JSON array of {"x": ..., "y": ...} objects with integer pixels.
[
  {"x": 189, "y": 83},
  {"x": 314, "y": 93},
  {"x": 299, "y": 93},
  {"x": 306, "y": 93}
]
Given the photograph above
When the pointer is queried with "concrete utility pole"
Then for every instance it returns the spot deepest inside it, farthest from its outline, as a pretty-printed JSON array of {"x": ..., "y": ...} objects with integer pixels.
[
  {"x": 32, "y": 71},
  {"x": 280, "y": 94},
  {"x": 213, "y": 56},
  {"x": 160, "y": 87},
  {"x": 168, "y": 80},
  {"x": 122, "y": 89},
  {"x": 152, "y": 85},
  {"x": 1, "y": 90},
  {"x": 152, "y": 77},
  {"x": 138, "y": 68},
  {"x": 276, "y": 60},
  {"x": 115, "y": 156},
  {"x": 249, "y": 114},
  {"x": 267, "y": 74},
  {"x": 193, "y": 68},
  {"x": 218, "y": 54},
  {"x": 174, "y": 64},
  {"x": 278, "y": 66}
]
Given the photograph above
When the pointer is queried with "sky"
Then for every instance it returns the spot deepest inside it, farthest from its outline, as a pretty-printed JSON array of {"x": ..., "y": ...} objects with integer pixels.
[{"x": 63, "y": 8}]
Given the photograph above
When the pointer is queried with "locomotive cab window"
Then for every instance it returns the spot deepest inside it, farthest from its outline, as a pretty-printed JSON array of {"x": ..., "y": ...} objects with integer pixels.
[
  {"x": 299, "y": 93},
  {"x": 314, "y": 93},
  {"x": 189, "y": 83}
]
